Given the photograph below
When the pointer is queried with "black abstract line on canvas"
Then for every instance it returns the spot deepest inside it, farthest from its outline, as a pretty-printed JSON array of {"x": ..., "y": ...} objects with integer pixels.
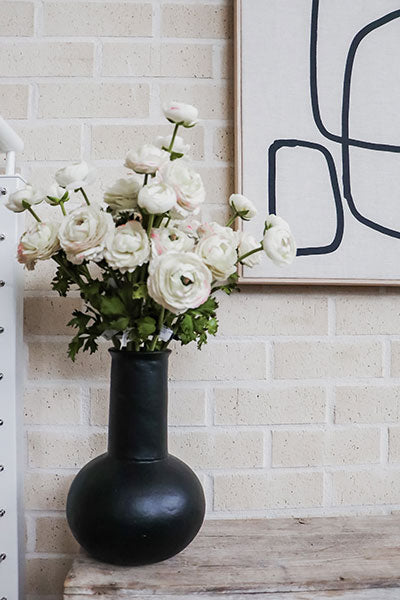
[
  {"x": 272, "y": 152},
  {"x": 344, "y": 139}
]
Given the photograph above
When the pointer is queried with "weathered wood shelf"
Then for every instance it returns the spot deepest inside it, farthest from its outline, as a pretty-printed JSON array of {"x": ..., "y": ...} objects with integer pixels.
[{"x": 352, "y": 558}]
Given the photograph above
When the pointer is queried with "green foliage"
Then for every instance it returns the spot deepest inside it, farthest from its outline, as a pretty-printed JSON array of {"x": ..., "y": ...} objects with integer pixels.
[{"x": 197, "y": 323}]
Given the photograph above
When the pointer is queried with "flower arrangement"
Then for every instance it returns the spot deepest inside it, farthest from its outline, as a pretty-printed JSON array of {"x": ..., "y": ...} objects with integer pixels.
[{"x": 158, "y": 268}]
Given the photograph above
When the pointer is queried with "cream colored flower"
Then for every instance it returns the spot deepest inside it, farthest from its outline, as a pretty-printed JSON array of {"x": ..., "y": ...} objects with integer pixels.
[
  {"x": 278, "y": 243},
  {"x": 39, "y": 242},
  {"x": 178, "y": 112},
  {"x": 247, "y": 243},
  {"x": 166, "y": 239},
  {"x": 219, "y": 252},
  {"x": 188, "y": 186},
  {"x": 157, "y": 198},
  {"x": 147, "y": 160},
  {"x": 84, "y": 234},
  {"x": 26, "y": 195},
  {"x": 75, "y": 176},
  {"x": 57, "y": 192},
  {"x": 243, "y": 205},
  {"x": 128, "y": 248},
  {"x": 123, "y": 194},
  {"x": 179, "y": 281}
]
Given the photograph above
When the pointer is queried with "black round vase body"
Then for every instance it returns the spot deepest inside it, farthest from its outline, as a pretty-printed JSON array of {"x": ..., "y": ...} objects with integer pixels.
[{"x": 136, "y": 504}]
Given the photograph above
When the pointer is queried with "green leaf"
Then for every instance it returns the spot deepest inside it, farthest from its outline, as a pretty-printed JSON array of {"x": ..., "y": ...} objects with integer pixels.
[
  {"x": 146, "y": 326},
  {"x": 119, "y": 324},
  {"x": 111, "y": 306},
  {"x": 176, "y": 155},
  {"x": 74, "y": 346},
  {"x": 139, "y": 290}
]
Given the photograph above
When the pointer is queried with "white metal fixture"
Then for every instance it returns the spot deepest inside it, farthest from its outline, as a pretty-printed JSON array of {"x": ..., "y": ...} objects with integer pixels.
[{"x": 11, "y": 373}]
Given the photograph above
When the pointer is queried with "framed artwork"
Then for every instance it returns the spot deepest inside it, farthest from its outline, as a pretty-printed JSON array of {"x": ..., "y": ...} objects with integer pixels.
[{"x": 318, "y": 134}]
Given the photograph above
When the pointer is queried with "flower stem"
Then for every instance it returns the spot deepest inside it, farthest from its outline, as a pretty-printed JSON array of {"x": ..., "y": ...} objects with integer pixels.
[
  {"x": 173, "y": 137},
  {"x": 231, "y": 220},
  {"x": 160, "y": 324},
  {"x": 63, "y": 208},
  {"x": 84, "y": 195},
  {"x": 34, "y": 215},
  {"x": 249, "y": 253},
  {"x": 150, "y": 224},
  {"x": 146, "y": 178}
]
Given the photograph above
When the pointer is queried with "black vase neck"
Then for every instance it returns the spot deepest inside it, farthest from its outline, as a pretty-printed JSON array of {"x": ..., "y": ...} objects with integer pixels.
[{"x": 138, "y": 426}]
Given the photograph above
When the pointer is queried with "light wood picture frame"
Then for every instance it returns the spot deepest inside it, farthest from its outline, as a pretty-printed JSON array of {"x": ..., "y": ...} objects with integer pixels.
[{"x": 317, "y": 135}]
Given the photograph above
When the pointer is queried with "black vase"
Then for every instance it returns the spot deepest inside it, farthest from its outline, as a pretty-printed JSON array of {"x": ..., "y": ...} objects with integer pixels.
[{"x": 136, "y": 504}]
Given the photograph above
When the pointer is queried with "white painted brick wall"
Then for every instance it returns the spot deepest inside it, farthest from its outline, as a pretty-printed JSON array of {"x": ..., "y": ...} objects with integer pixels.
[{"x": 294, "y": 409}]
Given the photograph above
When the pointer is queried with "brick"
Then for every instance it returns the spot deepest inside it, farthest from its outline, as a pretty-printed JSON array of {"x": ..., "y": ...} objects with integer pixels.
[
  {"x": 130, "y": 59},
  {"x": 52, "y": 405},
  {"x": 225, "y": 56},
  {"x": 219, "y": 449},
  {"x": 220, "y": 361},
  {"x": 367, "y": 314},
  {"x": 212, "y": 212},
  {"x": 99, "y": 18},
  {"x": 46, "y": 491},
  {"x": 297, "y": 360},
  {"x": 395, "y": 358},
  {"x": 186, "y": 60},
  {"x": 219, "y": 184},
  {"x": 63, "y": 450},
  {"x": 196, "y": 21},
  {"x": 47, "y": 575},
  {"x": 269, "y": 406},
  {"x": 372, "y": 486},
  {"x": 32, "y": 59},
  {"x": 333, "y": 447},
  {"x": 214, "y": 100},
  {"x": 394, "y": 444},
  {"x": 16, "y": 18},
  {"x": 273, "y": 313},
  {"x": 49, "y": 360},
  {"x": 258, "y": 491},
  {"x": 50, "y": 142},
  {"x": 224, "y": 144},
  {"x": 100, "y": 100},
  {"x": 41, "y": 277},
  {"x": 54, "y": 535},
  {"x": 372, "y": 404},
  {"x": 14, "y": 100},
  {"x": 114, "y": 141},
  {"x": 49, "y": 315}
]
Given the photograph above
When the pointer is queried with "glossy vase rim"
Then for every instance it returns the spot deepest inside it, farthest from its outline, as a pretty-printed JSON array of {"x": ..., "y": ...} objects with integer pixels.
[{"x": 140, "y": 352}]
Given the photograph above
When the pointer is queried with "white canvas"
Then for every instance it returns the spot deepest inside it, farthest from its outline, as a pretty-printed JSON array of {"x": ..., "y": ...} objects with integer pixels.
[{"x": 278, "y": 40}]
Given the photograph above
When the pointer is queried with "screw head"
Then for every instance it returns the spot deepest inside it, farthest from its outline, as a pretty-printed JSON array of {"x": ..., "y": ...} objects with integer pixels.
[
  {"x": 3, "y": 191},
  {"x": 1, "y": 376},
  {"x": 2, "y": 237},
  {"x": 1, "y": 329},
  {"x": 2, "y": 512},
  {"x": 1, "y": 468},
  {"x": 1, "y": 422},
  {"x": 2, "y": 283},
  {"x": 3, "y": 556}
]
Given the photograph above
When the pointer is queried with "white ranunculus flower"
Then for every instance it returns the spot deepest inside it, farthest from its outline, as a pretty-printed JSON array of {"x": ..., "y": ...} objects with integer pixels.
[
  {"x": 179, "y": 144},
  {"x": 179, "y": 281},
  {"x": 212, "y": 227},
  {"x": 243, "y": 205},
  {"x": 54, "y": 191},
  {"x": 39, "y": 242},
  {"x": 188, "y": 186},
  {"x": 166, "y": 239},
  {"x": 84, "y": 234},
  {"x": 189, "y": 226},
  {"x": 157, "y": 197},
  {"x": 27, "y": 195},
  {"x": 219, "y": 252},
  {"x": 123, "y": 194},
  {"x": 278, "y": 243},
  {"x": 247, "y": 243},
  {"x": 75, "y": 176},
  {"x": 128, "y": 248},
  {"x": 178, "y": 112},
  {"x": 147, "y": 160}
]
